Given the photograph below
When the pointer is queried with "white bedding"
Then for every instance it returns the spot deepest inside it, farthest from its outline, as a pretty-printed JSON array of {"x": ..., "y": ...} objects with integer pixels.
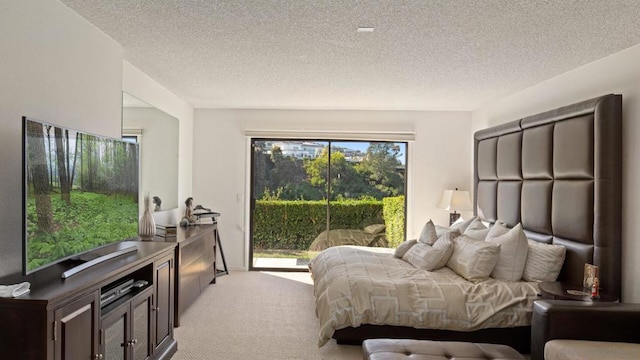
[{"x": 360, "y": 285}]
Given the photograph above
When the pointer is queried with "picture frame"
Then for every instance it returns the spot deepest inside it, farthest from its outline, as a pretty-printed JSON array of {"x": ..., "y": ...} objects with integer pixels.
[{"x": 591, "y": 272}]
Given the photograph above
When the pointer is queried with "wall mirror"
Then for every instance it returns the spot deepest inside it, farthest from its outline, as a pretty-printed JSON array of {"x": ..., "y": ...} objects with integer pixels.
[{"x": 157, "y": 134}]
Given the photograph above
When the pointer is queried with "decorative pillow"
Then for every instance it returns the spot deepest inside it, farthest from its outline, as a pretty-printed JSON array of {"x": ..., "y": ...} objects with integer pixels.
[
  {"x": 428, "y": 235},
  {"x": 513, "y": 251},
  {"x": 441, "y": 230},
  {"x": 544, "y": 261},
  {"x": 473, "y": 259},
  {"x": 461, "y": 224},
  {"x": 402, "y": 248},
  {"x": 427, "y": 257},
  {"x": 445, "y": 243},
  {"x": 476, "y": 230},
  {"x": 374, "y": 229}
]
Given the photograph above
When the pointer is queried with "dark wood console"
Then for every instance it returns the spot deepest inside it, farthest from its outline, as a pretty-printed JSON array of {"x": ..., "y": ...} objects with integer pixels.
[
  {"x": 64, "y": 319},
  {"x": 195, "y": 263}
]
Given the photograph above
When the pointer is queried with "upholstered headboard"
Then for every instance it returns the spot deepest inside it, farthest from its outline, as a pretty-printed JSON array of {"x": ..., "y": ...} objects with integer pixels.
[{"x": 559, "y": 174}]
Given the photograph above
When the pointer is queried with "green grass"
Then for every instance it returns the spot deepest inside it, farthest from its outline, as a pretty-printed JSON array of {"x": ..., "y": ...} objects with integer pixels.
[
  {"x": 91, "y": 220},
  {"x": 285, "y": 254}
]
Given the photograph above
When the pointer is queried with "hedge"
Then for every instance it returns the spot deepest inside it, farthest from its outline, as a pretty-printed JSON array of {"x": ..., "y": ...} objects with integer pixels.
[
  {"x": 293, "y": 225},
  {"x": 393, "y": 213}
]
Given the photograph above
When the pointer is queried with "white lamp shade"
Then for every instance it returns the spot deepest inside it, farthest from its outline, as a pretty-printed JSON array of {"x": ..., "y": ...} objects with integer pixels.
[{"x": 455, "y": 200}]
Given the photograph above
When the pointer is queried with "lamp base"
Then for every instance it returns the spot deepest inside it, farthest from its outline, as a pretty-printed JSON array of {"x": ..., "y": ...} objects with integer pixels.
[{"x": 453, "y": 217}]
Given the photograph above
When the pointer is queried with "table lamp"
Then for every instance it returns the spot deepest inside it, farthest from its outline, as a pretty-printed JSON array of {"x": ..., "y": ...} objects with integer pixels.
[{"x": 453, "y": 201}]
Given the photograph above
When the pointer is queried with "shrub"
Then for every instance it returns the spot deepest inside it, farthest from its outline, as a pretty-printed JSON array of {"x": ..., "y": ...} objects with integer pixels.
[
  {"x": 281, "y": 224},
  {"x": 393, "y": 213},
  {"x": 294, "y": 224}
]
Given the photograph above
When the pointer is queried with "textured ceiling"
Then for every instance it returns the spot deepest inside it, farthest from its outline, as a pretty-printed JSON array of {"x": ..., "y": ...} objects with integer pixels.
[{"x": 306, "y": 54}]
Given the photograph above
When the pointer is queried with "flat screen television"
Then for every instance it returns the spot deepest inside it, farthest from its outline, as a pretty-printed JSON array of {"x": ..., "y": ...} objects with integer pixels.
[{"x": 80, "y": 193}]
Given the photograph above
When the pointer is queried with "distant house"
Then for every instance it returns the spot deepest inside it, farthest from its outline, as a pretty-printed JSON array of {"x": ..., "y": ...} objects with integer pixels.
[
  {"x": 311, "y": 150},
  {"x": 299, "y": 149}
]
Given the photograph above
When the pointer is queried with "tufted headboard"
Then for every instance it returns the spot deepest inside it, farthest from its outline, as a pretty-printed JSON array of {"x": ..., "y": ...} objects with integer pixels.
[{"x": 559, "y": 174}]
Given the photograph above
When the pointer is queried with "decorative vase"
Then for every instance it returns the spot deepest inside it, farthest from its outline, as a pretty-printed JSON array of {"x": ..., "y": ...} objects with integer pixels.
[{"x": 146, "y": 226}]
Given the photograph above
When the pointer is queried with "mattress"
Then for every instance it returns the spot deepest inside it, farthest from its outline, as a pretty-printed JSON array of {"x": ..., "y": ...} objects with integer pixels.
[{"x": 360, "y": 285}]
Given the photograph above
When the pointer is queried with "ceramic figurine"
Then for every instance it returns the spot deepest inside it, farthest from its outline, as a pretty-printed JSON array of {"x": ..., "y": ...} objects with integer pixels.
[
  {"x": 157, "y": 202},
  {"x": 189, "y": 218}
]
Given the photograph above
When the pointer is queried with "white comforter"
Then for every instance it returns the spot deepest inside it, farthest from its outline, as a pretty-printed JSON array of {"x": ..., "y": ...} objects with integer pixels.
[{"x": 359, "y": 285}]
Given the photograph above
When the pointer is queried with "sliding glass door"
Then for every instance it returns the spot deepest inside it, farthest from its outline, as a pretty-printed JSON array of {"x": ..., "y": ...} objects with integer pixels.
[{"x": 310, "y": 195}]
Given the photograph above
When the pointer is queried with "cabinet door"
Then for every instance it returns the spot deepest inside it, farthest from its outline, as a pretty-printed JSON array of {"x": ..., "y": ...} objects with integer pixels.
[
  {"x": 76, "y": 329},
  {"x": 115, "y": 333},
  {"x": 141, "y": 325},
  {"x": 164, "y": 302},
  {"x": 126, "y": 330}
]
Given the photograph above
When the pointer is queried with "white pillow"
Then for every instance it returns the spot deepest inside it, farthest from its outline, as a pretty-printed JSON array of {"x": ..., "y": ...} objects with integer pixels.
[
  {"x": 473, "y": 259},
  {"x": 461, "y": 224},
  {"x": 402, "y": 248},
  {"x": 544, "y": 261},
  {"x": 476, "y": 230},
  {"x": 445, "y": 243},
  {"x": 428, "y": 235},
  {"x": 441, "y": 230},
  {"x": 513, "y": 251},
  {"x": 427, "y": 257}
]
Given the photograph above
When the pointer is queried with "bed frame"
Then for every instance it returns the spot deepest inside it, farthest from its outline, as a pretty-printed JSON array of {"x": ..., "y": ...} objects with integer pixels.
[{"x": 559, "y": 173}]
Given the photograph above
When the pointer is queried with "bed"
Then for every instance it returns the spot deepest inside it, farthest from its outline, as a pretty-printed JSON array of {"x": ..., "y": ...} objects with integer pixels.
[{"x": 557, "y": 173}]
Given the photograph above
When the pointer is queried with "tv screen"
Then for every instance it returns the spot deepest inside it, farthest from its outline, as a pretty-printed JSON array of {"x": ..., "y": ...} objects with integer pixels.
[{"x": 80, "y": 193}]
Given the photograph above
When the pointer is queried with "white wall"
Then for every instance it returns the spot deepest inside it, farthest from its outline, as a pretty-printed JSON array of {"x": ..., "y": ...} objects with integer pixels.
[
  {"x": 54, "y": 67},
  {"x": 438, "y": 159},
  {"x": 620, "y": 74},
  {"x": 57, "y": 67},
  {"x": 141, "y": 86}
]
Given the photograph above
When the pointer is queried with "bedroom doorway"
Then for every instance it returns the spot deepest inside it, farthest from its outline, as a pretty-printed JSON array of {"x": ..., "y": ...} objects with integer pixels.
[{"x": 309, "y": 195}]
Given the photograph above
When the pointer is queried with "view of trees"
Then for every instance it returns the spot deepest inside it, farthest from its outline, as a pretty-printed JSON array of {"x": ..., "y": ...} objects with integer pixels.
[
  {"x": 379, "y": 174},
  {"x": 80, "y": 190},
  {"x": 305, "y": 188}
]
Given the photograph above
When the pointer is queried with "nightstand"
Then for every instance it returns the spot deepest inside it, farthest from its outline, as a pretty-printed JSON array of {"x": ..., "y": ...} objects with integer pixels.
[{"x": 555, "y": 290}]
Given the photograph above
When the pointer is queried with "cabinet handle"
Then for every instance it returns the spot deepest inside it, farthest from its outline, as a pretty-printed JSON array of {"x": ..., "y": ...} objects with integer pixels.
[
  {"x": 98, "y": 357},
  {"x": 131, "y": 342}
]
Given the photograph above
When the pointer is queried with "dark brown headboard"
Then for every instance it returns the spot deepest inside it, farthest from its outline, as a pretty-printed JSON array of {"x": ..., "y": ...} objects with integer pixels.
[{"x": 560, "y": 174}]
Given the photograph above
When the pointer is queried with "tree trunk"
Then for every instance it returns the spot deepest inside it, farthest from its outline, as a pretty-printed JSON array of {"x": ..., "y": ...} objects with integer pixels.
[
  {"x": 48, "y": 128},
  {"x": 40, "y": 176},
  {"x": 72, "y": 172},
  {"x": 132, "y": 171},
  {"x": 88, "y": 186},
  {"x": 62, "y": 167}
]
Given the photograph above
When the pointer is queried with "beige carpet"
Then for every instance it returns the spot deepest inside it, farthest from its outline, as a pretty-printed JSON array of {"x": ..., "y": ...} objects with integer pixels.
[{"x": 256, "y": 315}]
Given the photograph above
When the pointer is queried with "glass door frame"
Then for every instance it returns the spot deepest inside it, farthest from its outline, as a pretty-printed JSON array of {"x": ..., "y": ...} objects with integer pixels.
[{"x": 252, "y": 199}]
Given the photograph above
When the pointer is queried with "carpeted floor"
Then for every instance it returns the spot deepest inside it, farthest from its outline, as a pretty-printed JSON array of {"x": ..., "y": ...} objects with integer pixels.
[{"x": 256, "y": 315}]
